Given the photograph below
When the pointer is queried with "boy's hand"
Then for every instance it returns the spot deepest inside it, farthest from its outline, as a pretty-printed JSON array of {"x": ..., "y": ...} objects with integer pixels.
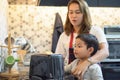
[{"x": 81, "y": 69}]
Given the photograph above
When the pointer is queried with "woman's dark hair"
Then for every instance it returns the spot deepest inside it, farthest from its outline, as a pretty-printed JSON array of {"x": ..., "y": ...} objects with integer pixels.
[{"x": 90, "y": 40}]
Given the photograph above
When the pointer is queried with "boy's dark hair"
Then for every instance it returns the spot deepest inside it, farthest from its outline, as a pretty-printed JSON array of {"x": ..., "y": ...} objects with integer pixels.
[{"x": 90, "y": 40}]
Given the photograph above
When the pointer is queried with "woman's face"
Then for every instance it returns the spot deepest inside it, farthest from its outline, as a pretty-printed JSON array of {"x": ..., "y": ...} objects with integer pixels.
[{"x": 74, "y": 14}]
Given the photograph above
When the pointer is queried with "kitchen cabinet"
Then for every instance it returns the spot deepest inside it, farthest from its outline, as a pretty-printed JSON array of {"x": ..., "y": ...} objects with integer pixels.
[
  {"x": 53, "y": 2},
  {"x": 111, "y": 70},
  {"x": 109, "y": 3},
  {"x": 103, "y": 3},
  {"x": 91, "y": 3}
]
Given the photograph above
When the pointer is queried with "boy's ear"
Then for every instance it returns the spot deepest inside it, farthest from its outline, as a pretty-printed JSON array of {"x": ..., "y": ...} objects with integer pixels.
[{"x": 91, "y": 49}]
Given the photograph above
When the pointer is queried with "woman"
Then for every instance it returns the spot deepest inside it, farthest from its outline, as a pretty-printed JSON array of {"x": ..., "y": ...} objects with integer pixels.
[{"x": 79, "y": 21}]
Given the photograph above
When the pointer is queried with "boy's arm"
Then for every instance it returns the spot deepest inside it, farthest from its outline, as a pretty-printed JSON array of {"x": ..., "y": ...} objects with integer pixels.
[
  {"x": 96, "y": 73},
  {"x": 68, "y": 68}
]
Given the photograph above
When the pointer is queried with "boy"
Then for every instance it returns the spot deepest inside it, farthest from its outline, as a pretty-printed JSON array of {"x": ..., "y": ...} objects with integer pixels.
[{"x": 86, "y": 45}]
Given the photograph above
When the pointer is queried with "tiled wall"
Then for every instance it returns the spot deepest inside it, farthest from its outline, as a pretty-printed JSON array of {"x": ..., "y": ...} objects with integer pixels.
[
  {"x": 36, "y": 23},
  {"x": 105, "y": 16},
  {"x": 23, "y": 2}
]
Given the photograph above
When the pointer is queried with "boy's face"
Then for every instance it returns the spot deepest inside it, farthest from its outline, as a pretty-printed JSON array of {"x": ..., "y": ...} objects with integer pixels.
[{"x": 80, "y": 49}]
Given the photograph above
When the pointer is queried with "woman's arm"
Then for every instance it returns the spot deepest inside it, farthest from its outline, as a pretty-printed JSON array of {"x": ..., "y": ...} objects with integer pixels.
[
  {"x": 101, "y": 54},
  {"x": 60, "y": 48},
  {"x": 103, "y": 51}
]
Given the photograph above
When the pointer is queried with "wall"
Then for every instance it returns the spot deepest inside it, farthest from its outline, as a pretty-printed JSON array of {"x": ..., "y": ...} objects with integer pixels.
[
  {"x": 3, "y": 20},
  {"x": 3, "y": 30},
  {"x": 36, "y": 22},
  {"x": 23, "y": 2}
]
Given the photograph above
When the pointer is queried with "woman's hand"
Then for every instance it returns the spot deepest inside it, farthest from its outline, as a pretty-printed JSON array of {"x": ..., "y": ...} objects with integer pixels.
[{"x": 81, "y": 69}]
